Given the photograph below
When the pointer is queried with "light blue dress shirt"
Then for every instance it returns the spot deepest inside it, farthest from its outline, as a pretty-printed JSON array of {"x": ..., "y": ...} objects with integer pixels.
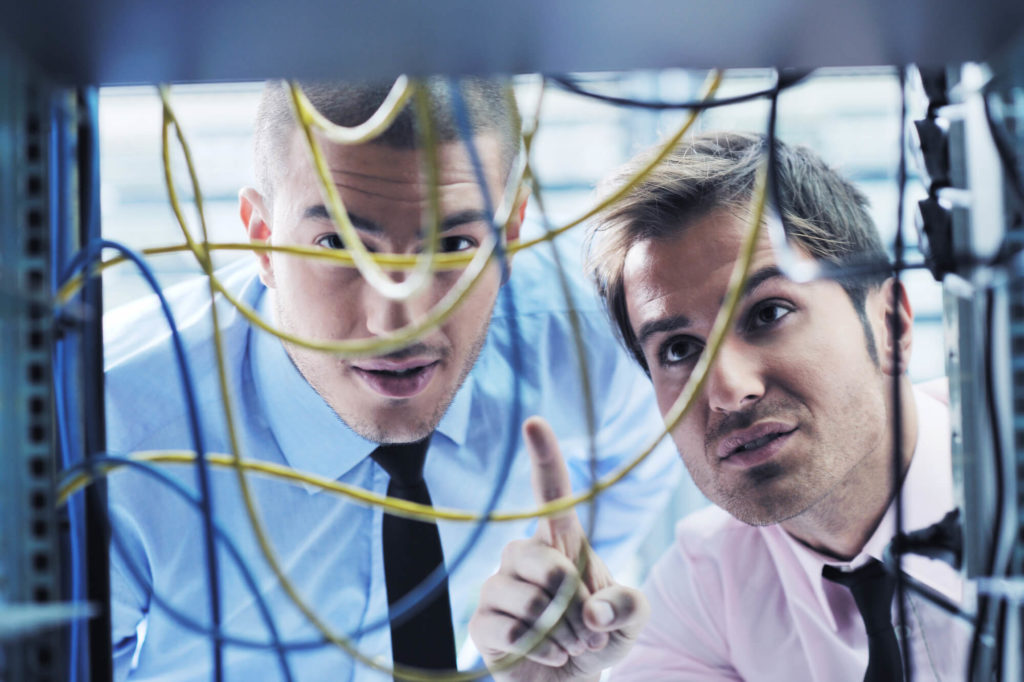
[{"x": 331, "y": 546}]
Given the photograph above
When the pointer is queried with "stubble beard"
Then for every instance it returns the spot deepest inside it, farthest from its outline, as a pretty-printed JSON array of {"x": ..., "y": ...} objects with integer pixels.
[
  {"x": 775, "y": 493},
  {"x": 771, "y": 492}
]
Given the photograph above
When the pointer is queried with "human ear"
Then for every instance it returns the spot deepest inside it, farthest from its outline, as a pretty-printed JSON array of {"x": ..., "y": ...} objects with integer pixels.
[
  {"x": 515, "y": 221},
  {"x": 253, "y": 210},
  {"x": 899, "y": 327},
  {"x": 512, "y": 228}
]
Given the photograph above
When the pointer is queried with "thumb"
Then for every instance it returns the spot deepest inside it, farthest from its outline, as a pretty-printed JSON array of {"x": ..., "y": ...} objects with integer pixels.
[
  {"x": 550, "y": 478},
  {"x": 617, "y": 607}
]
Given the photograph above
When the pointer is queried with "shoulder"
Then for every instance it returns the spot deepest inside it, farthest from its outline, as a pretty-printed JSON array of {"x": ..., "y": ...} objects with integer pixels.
[
  {"x": 689, "y": 632},
  {"x": 541, "y": 282},
  {"x": 549, "y": 310},
  {"x": 143, "y": 375},
  {"x": 714, "y": 560},
  {"x": 711, "y": 542}
]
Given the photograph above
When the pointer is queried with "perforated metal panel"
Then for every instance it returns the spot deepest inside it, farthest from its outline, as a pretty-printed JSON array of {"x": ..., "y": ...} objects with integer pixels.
[{"x": 29, "y": 548}]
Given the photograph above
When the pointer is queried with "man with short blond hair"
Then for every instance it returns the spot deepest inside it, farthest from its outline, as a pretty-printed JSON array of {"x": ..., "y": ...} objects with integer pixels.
[{"x": 445, "y": 404}]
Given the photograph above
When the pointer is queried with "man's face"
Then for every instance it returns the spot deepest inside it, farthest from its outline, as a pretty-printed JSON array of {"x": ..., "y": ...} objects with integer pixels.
[
  {"x": 794, "y": 405},
  {"x": 402, "y": 395}
]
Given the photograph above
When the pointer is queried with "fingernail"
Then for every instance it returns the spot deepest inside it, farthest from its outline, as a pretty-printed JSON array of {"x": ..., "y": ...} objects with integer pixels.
[
  {"x": 602, "y": 612},
  {"x": 597, "y": 641}
]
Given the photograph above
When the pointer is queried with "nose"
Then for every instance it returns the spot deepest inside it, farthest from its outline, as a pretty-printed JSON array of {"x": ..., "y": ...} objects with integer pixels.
[
  {"x": 736, "y": 379},
  {"x": 384, "y": 315}
]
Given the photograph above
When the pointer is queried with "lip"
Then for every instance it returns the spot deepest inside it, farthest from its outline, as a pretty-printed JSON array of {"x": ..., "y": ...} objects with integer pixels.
[
  {"x": 379, "y": 376},
  {"x": 729, "y": 449},
  {"x": 392, "y": 365}
]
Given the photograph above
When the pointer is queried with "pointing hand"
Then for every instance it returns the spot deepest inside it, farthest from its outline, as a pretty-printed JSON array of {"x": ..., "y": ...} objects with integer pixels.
[{"x": 602, "y": 619}]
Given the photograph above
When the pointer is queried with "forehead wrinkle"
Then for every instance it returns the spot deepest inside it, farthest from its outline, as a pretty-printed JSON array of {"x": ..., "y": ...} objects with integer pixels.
[
  {"x": 419, "y": 186},
  {"x": 369, "y": 176}
]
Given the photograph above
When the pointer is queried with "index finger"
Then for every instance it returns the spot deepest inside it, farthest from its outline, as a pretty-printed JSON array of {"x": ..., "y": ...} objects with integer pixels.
[{"x": 550, "y": 477}]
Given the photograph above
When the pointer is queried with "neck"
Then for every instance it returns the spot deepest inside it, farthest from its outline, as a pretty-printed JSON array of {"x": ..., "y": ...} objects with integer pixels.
[{"x": 841, "y": 523}]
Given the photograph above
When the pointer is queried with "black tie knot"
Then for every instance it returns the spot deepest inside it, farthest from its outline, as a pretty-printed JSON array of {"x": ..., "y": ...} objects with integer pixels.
[
  {"x": 403, "y": 461},
  {"x": 872, "y": 588}
]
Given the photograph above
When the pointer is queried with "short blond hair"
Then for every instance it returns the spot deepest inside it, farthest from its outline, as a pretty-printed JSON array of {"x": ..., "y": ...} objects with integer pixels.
[
  {"x": 823, "y": 212},
  {"x": 350, "y": 103}
]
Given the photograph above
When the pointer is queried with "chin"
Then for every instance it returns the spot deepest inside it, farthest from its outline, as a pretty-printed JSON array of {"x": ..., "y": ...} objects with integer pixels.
[
  {"x": 400, "y": 427},
  {"x": 762, "y": 507},
  {"x": 403, "y": 421},
  {"x": 771, "y": 510}
]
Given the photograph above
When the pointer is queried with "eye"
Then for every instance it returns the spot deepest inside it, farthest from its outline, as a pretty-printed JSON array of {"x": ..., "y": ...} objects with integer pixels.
[
  {"x": 456, "y": 243},
  {"x": 766, "y": 314},
  {"x": 330, "y": 241},
  {"x": 679, "y": 349}
]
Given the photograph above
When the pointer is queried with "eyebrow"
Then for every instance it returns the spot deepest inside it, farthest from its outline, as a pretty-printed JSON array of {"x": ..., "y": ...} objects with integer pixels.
[
  {"x": 666, "y": 324},
  {"x": 759, "y": 277},
  {"x": 450, "y": 222}
]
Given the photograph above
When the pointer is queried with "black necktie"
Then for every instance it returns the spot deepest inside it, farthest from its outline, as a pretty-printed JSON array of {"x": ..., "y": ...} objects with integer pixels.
[
  {"x": 412, "y": 550},
  {"x": 872, "y": 588}
]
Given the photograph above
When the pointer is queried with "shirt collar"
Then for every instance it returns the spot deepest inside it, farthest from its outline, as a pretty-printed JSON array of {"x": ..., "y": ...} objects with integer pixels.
[
  {"x": 309, "y": 433},
  {"x": 927, "y": 495}
]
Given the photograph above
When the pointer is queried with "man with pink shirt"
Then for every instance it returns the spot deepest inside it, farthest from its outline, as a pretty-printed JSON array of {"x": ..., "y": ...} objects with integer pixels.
[{"x": 792, "y": 437}]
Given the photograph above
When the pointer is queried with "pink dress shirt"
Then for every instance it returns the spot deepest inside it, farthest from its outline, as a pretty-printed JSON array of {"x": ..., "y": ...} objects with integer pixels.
[{"x": 735, "y": 602}]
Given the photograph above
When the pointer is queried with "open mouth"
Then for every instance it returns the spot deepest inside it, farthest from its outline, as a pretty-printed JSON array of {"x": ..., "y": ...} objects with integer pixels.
[
  {"x": 745, "y": 453},
  {"x": 759, "y": 442},
  {"x": 398, "y": 382}
]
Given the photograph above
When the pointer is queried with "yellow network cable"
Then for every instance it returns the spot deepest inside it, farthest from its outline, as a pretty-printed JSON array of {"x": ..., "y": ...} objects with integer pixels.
[
  {"x": 715, "y": 80},
  {"x": 529, "y": 133},
  {"x": 370, "y": 271},
  {"x": 672, "y": 418},
  {"x": 426, "y": 513},
  {"x": 401, "y": 337},
  {"x": 369, "y": 346},
  {"x": 683, "y": 403},
  {"x": 396, "y": 261},
  {"x": 340, "y": 257},
  {"x": 402, "y": 672},
  {"x": 378, "y": 122}
]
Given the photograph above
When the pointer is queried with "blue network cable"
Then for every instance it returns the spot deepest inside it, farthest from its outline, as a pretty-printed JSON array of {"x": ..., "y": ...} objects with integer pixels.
[
  {"x": 92, "y": 252},
  {"x": 221, "y": 535},
  {"x": 64, "y": 440},
  {"x": 408, "y": 606}
]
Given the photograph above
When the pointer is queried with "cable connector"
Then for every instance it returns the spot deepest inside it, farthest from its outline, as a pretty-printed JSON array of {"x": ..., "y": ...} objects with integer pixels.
[
  {"x": 937, "y": 232},
  {"x": 942, "y": 540}
]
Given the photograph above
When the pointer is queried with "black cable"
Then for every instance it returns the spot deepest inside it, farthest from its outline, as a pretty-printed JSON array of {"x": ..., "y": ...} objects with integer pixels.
[
  {"x": 866, "y": 269},
  {"x": 976, "y": 637},
  {"x": 92, "y": 415},
  {"x": 983, "y": 629},
  {"x": 1002, "y": 616},
  {"x": 785, "y": 80},
  {"x": 930, "y": 595},
  {"x": 984, "y": 600},
  {"x": 897, "y": 395}
]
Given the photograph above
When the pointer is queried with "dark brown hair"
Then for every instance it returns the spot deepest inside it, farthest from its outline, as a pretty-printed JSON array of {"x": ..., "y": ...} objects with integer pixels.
[{"x": 823, "y": 213}]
